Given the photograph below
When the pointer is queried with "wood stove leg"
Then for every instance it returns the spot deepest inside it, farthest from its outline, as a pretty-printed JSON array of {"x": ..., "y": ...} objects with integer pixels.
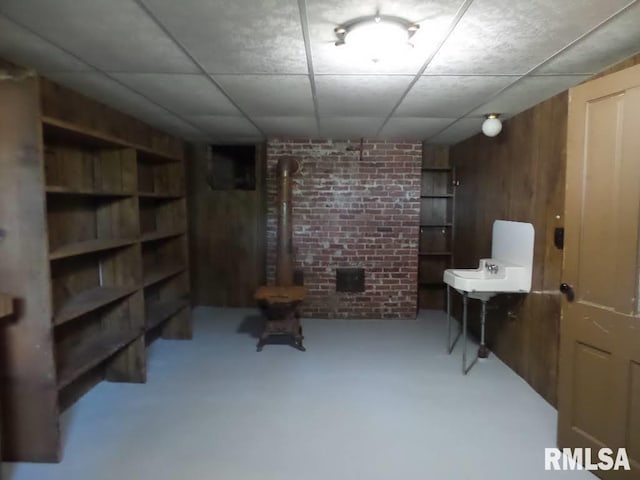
[
  {"x": 297, "y": 339},
  {"x": 262, "y": 341}
]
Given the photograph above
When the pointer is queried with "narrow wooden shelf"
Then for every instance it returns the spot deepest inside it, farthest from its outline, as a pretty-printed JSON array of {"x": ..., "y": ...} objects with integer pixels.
[
  {"x": 158, "y": 274},
  {"x": 434, "y": 254},
  {"x": 91, "y": 354},
  {"x": 444, "y": 195},
  {"x": 89, "y": 246},
  {"x": 52, "y": 189},
  {"x": 156, "y": 314},
  {"x": 161, "y": 196},
  {"x": 86, "y": 136},
  {"x": 437, "y": 169},
  {"x": 153, "y": 236},
  {"x": 436, "y": 225},
  {"x": 88, "y": 301},
  {"x": 148, "y": 155}
]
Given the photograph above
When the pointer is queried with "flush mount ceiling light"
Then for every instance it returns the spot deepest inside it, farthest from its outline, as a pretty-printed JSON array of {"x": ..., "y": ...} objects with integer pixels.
[
  {"x": 377, "y": 37},
  {"x": 492, "y": 126}
]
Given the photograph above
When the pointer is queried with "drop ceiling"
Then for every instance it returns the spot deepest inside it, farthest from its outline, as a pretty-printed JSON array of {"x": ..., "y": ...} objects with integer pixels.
[{"x": 246, "y": 70}]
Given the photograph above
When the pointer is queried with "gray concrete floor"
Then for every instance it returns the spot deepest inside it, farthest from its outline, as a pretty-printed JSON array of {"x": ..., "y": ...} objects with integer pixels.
[{"x": 371, "y": 400}]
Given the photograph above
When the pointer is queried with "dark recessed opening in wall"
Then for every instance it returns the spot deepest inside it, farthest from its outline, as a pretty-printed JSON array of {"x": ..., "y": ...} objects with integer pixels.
[
  {"x": 350, "y": 280},
  {"x": 232, "y": 167}
]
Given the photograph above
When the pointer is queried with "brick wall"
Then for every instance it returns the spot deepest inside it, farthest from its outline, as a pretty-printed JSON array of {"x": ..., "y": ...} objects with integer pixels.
[{"x": 352, "y": 212}]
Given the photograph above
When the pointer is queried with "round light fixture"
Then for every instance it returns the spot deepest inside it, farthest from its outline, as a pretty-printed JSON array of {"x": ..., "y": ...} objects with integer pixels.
[
  {"x": 492, "y": 126},
  {"x": 377, "y": 37}
]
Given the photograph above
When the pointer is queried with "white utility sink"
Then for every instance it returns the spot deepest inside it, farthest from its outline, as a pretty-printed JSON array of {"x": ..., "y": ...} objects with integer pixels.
[
  {"x": 508, "y": 270},
  {"x": 490, "y": 278}
]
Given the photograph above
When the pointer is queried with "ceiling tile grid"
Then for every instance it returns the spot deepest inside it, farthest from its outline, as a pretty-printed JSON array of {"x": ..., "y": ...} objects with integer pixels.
[
  {"x": 115, "y": 36},
  {"x": 270, "y": 95},
  {"x": 243, "y": 70},
  {"x": 351, "y": 127},
  {"x": 407, "y": 128},
  {"x": 528, "y": 92},
  {"x": 359, "y": 95},
  {"x": 186, "y": 94},
  {"x": 449, "y": 96},
  {"x": 237, "y": 36},
  {"x": 288, "y": 127},
  {"x": 500, "y": 37},
  {"x": 23, "y": 47}
]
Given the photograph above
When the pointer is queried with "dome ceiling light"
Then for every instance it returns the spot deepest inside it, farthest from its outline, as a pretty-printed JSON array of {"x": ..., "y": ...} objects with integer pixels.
[
  {"x": 377, "y": 37},
  {"x": 492, "y": 126}
]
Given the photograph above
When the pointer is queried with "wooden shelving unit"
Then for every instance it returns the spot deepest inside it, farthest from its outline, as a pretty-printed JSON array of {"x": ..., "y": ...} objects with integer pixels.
[
  {"x": 89, "y": 300},
  {"x": 96, "y": 252},
  {"x": 164, "y": 245},
  {"x": 159, "y": 312},
  {"x": 91, "y": 353},
  {"x": 437, "y": 211}
]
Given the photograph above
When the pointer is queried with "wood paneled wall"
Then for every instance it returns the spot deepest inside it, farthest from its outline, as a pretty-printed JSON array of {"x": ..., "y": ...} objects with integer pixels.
[
  {"x": 227, "y": 235},
  {"x": 519, "y": 175}
]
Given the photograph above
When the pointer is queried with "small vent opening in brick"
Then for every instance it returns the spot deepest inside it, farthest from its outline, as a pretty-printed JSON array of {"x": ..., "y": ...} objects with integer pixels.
[{"x": 350, "y": 280}]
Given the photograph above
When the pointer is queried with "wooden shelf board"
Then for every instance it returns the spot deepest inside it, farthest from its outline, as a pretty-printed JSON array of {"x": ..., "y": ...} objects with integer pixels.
[
  {"x": 434, "y": 254},
  {"x": 168, "y": 196},
  {"x": 89, "y": 300},
  {"x": 158, "y": 274},
  {"x": 158, "y": 313},
  {"x": 437, "y": 169},
  {"x": 6, "y": 305},
  {"x": 89, "y": 246},
  {"x": 151, "y": 156},
  {"x": 91, "y": 137},
  {"x": 153, "y": 236},
  {"x": 73, "y": 191},
  {"x": 444, "y": 195},
  {"x": 436, "y": 225},
  {"x": 91, "y": 354}
]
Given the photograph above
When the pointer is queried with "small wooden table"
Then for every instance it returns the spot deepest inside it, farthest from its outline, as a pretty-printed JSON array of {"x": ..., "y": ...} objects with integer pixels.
[{"x": 280, "y": 307}]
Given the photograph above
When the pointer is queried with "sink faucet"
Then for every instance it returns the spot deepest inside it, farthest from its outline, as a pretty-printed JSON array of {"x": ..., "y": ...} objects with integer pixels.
[{"x": 492, "y": 268}]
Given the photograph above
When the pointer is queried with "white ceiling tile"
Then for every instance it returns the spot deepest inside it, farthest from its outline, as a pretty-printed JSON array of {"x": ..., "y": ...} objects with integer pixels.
[
  {"x": 528, "y": 92},
  {"x": 449, "y": 96},
  {"x": 239, "y": 36},
  {"x": 413, "y": 128},
  {"x": 112, "y": 93},
  {"x": 359, "y": 95},
  {"x": 434, "y": 18},
  {"x": 507, "y": 37},
  {"x": 223, "y": 127},
  {"x": 269, "y": 95},
  {"x": 186, "y": 94},
  {"x": 28, "y": 50},
  {"x": 178, "y": 127},
  {"x": 109, "y": 92},
  {"x": 116, "y": 35},
  {"x": 611, "y": 43},
  {"x": 346, "y": 128},
  {"x": 459, "y": 131},
  {"x": 288, "y": 127}
]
